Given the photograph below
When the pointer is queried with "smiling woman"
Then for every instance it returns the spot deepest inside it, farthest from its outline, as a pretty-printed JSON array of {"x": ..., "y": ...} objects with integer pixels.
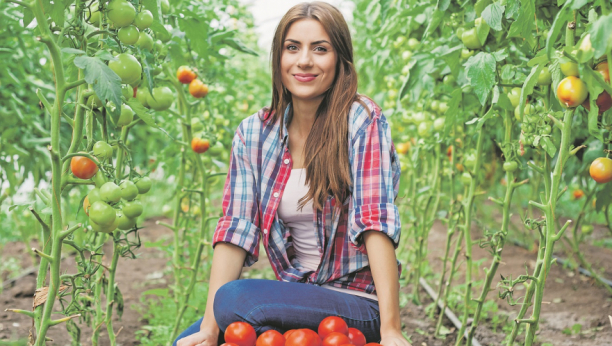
[{"x": 314, "y": 176}]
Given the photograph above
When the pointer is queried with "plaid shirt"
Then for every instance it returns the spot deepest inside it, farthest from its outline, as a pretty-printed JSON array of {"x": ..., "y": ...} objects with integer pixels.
[{"x": 260, "y": 166}]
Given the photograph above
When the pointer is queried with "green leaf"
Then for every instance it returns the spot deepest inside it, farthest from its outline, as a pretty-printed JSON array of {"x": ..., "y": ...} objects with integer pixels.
[
  {"x": 443, "y": 5},
  {"x": 453, "y": 111},
  {"x": 238, "y": 45},
  {"x": 480, "y": 71},
  {"x": 601, "y": 39},
  {"x": 594, "y": 88},
  {"x": 55, "y": 10},
  {"x": 72, "y": 51},
  {"x": 604, "y": 197},
  {"x": 500, "y": 55},
  {"x": 482, "y": 31},
  {"x": 563, "y": 16},
  {"x": 118, "y": 301},
  {"x": 142, "y": 113},
  {"x": 507, "y": 72},
  {"x": 106, "y": 83},
  {"x": 523, "y": 25},
  {"x": 512, "y": 8},
  {"x": 493, "y": 15},
  {"x": 548, "y": 146},
  {"x": 433, "y": 23},
  {"x": 195, "y": 29},
  {"x": 527, "y": 88},
  {"x": 151, "y": 5},
  {"x": 385, "y": 6},
  {"x": 482, "y": 120},
  {"x": 28, "y": 16},
  {"x": 450, "y": 56},
  {"x": 105, "y": 55}
]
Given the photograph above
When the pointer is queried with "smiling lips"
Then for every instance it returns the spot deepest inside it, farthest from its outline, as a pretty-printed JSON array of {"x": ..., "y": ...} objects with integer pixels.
[{"x": 305, "y": 77}]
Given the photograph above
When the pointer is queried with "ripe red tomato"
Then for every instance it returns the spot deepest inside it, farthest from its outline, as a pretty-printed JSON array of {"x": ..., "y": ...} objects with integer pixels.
[
  {"x": 356, "y": 336},
  {"x": 601, "y": 170},
  {"x": 185, "y": 74},
  {"x": 229, "y": 344},
  {"x": 240, "y": 333},
  {"x": 572, "y": 92},
  {"x": 287, "y": 333},
  {"x": 578, "y": 194},
  {"x": 270, "y": 338},
  {"x": 303, "y": 337},
  {"x": 200, "y": 145},
  {"x": 336, "y": 339},
  {"x": 373, "y": 344},
  {"x": 82, "y": 167},
  {"x": 332, "y": 324},
  {"x": 198, "y": 89}
]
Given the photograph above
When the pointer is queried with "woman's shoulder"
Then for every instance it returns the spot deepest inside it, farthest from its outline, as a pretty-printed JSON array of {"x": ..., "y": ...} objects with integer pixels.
[
  {"x": 255, "y": 121},
  {"x": 363, "y": 112}
]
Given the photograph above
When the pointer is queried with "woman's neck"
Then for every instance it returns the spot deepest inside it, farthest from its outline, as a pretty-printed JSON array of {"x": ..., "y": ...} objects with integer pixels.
[{"x": 304, "y": 114}]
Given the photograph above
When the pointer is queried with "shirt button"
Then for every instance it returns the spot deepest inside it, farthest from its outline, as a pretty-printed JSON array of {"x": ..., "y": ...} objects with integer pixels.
[
  {"x": 275, "y": 194},
  {"x": 286, "y": 161},
  {"x": 265, "y": 231}
]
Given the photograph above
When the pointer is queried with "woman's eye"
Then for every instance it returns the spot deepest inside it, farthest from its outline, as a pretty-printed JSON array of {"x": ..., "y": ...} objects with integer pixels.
[
  {"x": 291, "y": 47},
  {"x": 323, "y": 49}
]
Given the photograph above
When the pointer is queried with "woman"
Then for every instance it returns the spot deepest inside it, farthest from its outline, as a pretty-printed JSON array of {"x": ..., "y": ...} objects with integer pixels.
[{"x": 315, "y": 177}]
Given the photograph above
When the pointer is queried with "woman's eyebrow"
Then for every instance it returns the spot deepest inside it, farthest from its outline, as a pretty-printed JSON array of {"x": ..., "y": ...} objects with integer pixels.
[{"x": 315, "y": 42}]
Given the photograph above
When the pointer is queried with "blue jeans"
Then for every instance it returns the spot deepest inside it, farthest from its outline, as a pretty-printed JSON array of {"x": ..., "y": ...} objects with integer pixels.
[{"x": 270, "y": 304}]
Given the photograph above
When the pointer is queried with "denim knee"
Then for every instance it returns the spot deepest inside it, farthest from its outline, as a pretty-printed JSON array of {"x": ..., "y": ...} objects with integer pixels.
[{"x": 227, "y": 304}]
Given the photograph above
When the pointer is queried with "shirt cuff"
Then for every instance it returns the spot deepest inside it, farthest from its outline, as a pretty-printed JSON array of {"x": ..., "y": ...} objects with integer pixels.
[
  {"x": 241, "y": 233},
  {"x": 374, "y": 217}
]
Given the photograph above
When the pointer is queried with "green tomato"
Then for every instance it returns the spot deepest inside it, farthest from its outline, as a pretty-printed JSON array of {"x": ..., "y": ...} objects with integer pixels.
[
  {"x": 196, "y": 125},
  {"x": 102, "y": 213},
  {"x": 165, "y": 6},
  {"x": 544, "y": 78},
  {"x": 406, "y": 55},
  {"x": 94, "y": 101},
  {"x": 449, "y": 79},
  {"x": 129, "y": 191},
  {"x": 587, "y": 229},
  {"x": 142, "y": 94},
  {"x": 93, "y": 13},
  {"x": 99, "y": 179},
  {"x": 424, "y": 129},
  {"x": 110, "y": 192},
  {"x": 144, "y": 185},
  {"x": 126, "y": 67},
  {"x": 470, "y": 39},
  {"x": 413, "y": 43},
  {"x": 128, "y": 35},
  {"x": 510, "y": 166},
  {"x": 127, "y": 92},
  {"x": 102, "y": 150},
  {"x": 144, "y": 19},
  {"x": 438, "y": 124},
  {"x": 126, "y": 117},
  {"x": 466, "y": 178},
  {"x": 435, "y": 105},
  {"x": 526, "y": 111},
  {"x": 94, "y": 195},
  {"x": 443, "y": 108},
  {"x": 570, "y": 68},
  {"x": 515, "y": 96},
  {"x": 470, "y": 161},
  {"x": 125, "y": 223},
  {"x": 460, "y": 32},
  {"x": 164, "y": 36},
  {"x": 121, "y": 13},
  {"x": 545, "y": 130},
  {"x": 145, "y": 41},
  {"x": 103, "y": 229},
  {"x": 419, "y": 117},
  {"x": 216, "y": 150},
  {"x": 161, "y": 98},
  {"x": 132, "y": 209}
]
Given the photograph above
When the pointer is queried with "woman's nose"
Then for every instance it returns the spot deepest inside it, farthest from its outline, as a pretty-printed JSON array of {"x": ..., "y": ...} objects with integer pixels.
[{"x": 305, "y": 59}]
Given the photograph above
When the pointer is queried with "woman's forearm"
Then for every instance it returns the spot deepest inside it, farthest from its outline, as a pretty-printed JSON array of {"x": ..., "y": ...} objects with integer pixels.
[
  {"x": 383, "y": 264},
  {"x": 227, "y": 265}
]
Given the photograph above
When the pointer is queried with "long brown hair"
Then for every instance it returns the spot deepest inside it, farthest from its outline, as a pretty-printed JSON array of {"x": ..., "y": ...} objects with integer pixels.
[{"x": 326, "y": 150}]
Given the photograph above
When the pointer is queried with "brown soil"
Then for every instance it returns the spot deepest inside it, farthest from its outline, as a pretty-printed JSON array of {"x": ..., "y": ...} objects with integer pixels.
[{"x": 570, "y": 298}]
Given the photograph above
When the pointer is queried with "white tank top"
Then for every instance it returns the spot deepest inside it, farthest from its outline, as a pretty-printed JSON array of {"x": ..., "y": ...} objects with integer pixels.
[{"x": 301, "y": 227}]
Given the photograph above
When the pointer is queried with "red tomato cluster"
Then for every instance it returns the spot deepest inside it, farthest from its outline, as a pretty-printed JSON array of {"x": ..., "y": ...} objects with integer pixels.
[{"x": 333, "y": 331}]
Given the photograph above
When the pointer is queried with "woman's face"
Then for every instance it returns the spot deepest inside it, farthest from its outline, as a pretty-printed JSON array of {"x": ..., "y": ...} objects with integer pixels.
[{"x": 308, "y": 60}]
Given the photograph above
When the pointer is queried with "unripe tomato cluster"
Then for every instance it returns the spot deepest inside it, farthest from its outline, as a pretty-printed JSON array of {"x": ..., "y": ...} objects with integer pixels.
[{"x": 332, "y": 331}]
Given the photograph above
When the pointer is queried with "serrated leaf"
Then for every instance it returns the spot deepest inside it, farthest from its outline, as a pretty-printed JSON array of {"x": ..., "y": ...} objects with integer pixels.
[
  {"x": 450, "y": 117},
  {"x": 72, "y": 51},
  {"x": 500, "y": 55},
  {"x": 435, "y": 21},
  {"x": 523, "y": 25},
  {"x": 512, "y": 8},
  {"x": 450, "y": 56},
  {"x": 493, "y": 15},
  {"x": 105, "y": 82},
  {"x": 507, "y": 72},
  {"x": 238, "y": 45},
  {"x": 195, "y": 29},
  {"x": 55, "y": 11},
  {"x": 480, "y": 71},
  {"x": 601, "y": 39},
  {"x": 105, "y": 55}
]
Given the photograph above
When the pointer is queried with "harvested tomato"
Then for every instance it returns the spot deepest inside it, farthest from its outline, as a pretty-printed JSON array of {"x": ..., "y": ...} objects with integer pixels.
[
  {"x": 198, "y": 89},
  {"x": 200, "y": 145},
  {"x": 270, "y": 338},
  {"x": 185, "y": 74},
  {"x": 303, "y": 337},
  {"x": 601, "y": 170},
  {"x": 373, "y": 344},
  {"x": 82, "y": 167},
  {"x": 240, "y": 333},
  {"x": 578, "y": 194},
  {"x": 229, "y": 344},
  {"x": 332, "y": 324},
  {"x": 356, "y": 336},
  {"x": 287, "y": 333},
  {"x": 572, "y": 92},
  {"x": 336, "y": 339}
]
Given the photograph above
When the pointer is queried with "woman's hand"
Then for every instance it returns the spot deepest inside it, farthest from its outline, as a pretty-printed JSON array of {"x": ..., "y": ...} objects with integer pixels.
[
  {"x": 393, "y": 338},
  {"x": 201, "y": 338}
]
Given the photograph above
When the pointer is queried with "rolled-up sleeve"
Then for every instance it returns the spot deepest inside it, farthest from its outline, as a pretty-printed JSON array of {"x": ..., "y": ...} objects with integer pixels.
[
  {"x": 375, "y": 182},
  {"x": 240, "y": 222}
]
